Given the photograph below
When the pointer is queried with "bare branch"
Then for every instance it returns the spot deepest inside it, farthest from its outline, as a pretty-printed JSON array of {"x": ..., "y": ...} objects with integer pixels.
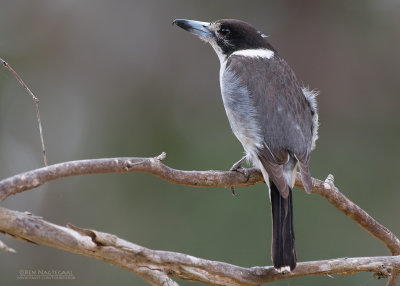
[
  {"x": 246, "y": 177},
  {"x": 38, "y": 177},
  {"x": 393, "y": 278},
  {"x": 35, "y": 100},
  {"x": 157, "y": 266},
  {"x": 35, "y": 178},
  {"x": 328, "y": 190}
]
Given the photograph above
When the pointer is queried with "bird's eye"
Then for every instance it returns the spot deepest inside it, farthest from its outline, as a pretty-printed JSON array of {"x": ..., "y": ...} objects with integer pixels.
[{"x": 224, "y": 31}]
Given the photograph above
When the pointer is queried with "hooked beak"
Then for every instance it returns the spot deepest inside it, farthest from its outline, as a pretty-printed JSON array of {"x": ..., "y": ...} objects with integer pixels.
[{"x": 195, "y": 27}]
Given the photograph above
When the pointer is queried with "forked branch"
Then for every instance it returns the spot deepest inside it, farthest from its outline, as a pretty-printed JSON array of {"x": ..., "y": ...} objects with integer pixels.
[{"x": 157, "y": 266}]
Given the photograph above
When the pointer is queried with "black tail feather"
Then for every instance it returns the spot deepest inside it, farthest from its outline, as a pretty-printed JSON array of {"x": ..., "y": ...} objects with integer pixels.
[{"x": 283, "y": 250}]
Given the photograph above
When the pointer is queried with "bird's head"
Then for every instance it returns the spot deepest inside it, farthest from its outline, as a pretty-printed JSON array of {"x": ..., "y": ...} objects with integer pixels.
[{"x": 226, "y": 36}]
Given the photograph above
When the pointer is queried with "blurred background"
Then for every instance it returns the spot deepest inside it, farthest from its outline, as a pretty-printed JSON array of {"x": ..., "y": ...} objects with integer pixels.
[{"x": 115, "y": 78}]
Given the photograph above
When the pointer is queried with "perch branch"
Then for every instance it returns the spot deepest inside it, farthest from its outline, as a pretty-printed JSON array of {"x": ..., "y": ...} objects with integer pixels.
[
  {"x": 157, "y": 266},
  {"x": 35, "y": 178}
]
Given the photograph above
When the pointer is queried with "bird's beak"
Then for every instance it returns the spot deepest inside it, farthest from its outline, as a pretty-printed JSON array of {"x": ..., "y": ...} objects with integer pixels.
[{"x": 195, "y": 27}]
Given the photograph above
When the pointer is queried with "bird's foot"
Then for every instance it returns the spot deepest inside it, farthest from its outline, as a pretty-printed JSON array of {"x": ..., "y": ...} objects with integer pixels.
[
  {"x": 237, "y": 167},
  {"x": 233, "y": 191}
]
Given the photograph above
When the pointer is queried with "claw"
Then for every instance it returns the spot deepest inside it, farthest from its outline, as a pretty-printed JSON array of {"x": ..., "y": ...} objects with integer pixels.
[
  {"x": 237, "y": 167},
  {"x": 233, "y": 191}
]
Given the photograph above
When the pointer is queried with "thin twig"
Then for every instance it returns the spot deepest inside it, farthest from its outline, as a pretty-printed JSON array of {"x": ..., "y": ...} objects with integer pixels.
[
  {"x": 35, "y": 100},
  {"x": 157, "y": 266}
]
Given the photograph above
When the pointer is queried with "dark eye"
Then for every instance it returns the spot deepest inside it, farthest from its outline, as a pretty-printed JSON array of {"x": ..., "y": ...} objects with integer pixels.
[{"x": 224, "y": 31}]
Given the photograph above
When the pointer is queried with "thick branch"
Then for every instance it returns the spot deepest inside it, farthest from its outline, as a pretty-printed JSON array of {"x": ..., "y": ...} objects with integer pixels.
[
  {"x": 38, "y": 177},
  {"x": 158, "y": 266}
]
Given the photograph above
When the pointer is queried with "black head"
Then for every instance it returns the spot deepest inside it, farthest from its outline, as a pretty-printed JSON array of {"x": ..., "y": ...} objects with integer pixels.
[{"x": 226, "y": 36}]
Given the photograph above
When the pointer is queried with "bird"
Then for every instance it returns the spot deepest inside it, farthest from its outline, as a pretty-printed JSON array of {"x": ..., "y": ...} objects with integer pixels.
[{"x": 273, "y": 116}]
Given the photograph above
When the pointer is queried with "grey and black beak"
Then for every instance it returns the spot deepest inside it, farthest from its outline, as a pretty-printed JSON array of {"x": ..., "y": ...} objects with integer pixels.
[{"x": 195, "y": 27}]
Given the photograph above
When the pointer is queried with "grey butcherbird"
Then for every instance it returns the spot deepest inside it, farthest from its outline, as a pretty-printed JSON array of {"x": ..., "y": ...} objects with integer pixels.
[{"x": 273, "y": 117}]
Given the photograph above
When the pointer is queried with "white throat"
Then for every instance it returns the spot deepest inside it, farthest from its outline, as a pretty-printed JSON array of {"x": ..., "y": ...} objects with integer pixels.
[
  {"x": 248, "y": 53},
  {"x": 255, "y": 53}
]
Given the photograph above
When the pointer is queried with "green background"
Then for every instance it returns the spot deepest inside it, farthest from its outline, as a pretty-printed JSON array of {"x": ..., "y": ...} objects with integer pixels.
[{"x": 115, "y": 78}]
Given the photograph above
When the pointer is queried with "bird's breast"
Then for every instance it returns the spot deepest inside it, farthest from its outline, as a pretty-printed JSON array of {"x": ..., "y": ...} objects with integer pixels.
[{"x": 240, "y": 110}]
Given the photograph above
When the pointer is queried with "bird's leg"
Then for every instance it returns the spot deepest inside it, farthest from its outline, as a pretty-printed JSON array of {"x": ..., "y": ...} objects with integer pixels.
[
  {"x": 235, "y": 168},
  {"x": 238, "y": 164}
]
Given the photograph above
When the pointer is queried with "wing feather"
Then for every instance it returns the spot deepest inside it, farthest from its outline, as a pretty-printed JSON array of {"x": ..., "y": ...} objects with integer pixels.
[{"x": 283, "y": 113}]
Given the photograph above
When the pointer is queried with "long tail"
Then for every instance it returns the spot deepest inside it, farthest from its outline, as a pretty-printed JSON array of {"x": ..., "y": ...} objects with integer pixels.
[{"x": 283, "y": 250}]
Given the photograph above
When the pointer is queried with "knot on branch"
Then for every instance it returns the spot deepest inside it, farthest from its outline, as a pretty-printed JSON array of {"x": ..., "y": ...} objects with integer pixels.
[
  {"x": 161, "y": 157},
  {"x": 385, "y": 272},
  {"x": 130, "y": 163}
]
